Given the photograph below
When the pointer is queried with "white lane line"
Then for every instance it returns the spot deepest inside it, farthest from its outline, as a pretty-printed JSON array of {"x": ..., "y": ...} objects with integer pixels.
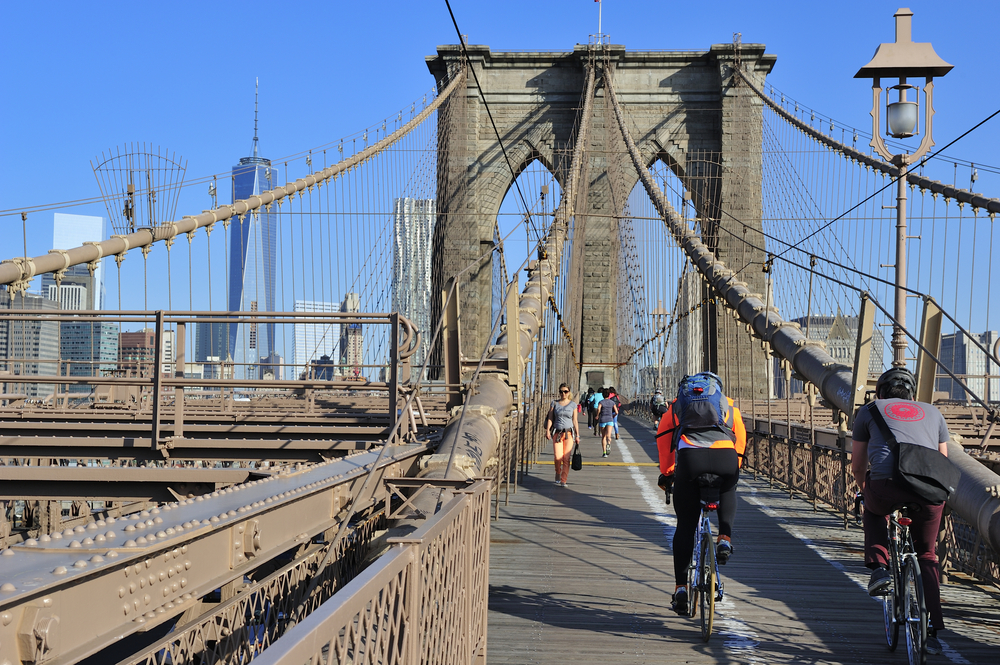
[
  {"x": 741, "y": 641},
  {"x": 950, "y": 653}
]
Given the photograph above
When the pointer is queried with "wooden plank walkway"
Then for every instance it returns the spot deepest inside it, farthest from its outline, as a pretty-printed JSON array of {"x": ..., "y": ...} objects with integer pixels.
[{"x": 583, "y": 575}]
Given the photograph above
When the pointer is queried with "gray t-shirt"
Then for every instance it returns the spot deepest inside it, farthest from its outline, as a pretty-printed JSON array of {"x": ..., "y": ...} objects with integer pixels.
[
  {"x": 918, "y": 423},
  {"x": 562, "y": 416}
]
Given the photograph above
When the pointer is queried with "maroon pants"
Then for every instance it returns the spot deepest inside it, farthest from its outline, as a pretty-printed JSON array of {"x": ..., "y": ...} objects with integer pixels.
[{"x": 881, "y": 496}]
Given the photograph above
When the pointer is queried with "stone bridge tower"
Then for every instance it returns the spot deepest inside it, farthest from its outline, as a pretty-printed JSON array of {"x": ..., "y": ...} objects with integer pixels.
[{"x": 686, "y": 108}]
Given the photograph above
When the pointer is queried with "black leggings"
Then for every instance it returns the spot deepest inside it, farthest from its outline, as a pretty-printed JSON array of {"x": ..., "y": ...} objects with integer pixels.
[{"x": 691, "y": 463}]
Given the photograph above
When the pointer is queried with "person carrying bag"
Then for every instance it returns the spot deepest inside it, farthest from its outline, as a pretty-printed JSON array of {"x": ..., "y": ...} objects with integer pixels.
[{"x": 899, "y": 457}]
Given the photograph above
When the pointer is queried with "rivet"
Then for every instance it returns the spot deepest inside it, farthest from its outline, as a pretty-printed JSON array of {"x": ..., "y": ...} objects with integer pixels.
[
  {"x": 169, "y": 606},
  {"x": 60, "y": 570},
  {"x": 161, "y": 534},
  {"x": 186, "y": 596},
  {"x": 141, "y": 540},
  {"x": 45, "y": 538},
  {"x": 68, "y": 532},
  {"x": 55, "y": 535},
  {"x": 184, "y": 549},
  {"x": 110, "y": 534},
  {"x": 231, "y": 513},
  {"x": 112, "y": 554},
  {"x": 8, "y": 552},
  {"x": 151, "y": 522},
  {"x": 31, "y": 542},
  {"x": 163, "y": 575},
  {"x": 80, "y": 564},
  {"x": 148, "y": 563},
  {"x": 150, "y": 615},
  {"x": 160, "y": 610},
  {"x": 88, "y": 541},
  {"x": 142, "y": 582},
  {"x": 151, "y": 579},
  {"x": 214, "y": 518},
  {"x": 174, "y": 587},
  {"x": 126, "y": 607},
  {"x": 171, "y": 530},
  {"x": 79, "y": 529},
  {"x": 7, "y": 587},
  {"x": 75, "y": 544},
  {"x": 121, "y": 592},
  {"x": 110, "y": 520},
  {"x": 92, "y": 526},
  {"x": 151, "y": 538},
  {"x": 140, "y": 620},
  {"x": 154, "y": 511},
  {"x": 158, "y": 520},
  {"x": 131, "y": 587},
  {"x": 97, "y": 558},
  {"x": 144, "y": 513},
  {"x": 135, "y": 604},
  {"x": 200, "y": 498},
  {"x": 131, "y": 543},
  {"x": 184, "y": 583},
  {"x": 187, "y": 565},
  {"x": 146, "y": 599},
  {"x": 166, "y": 591},
  {"x": 130, "y": 528},
  {"x": 101, "y": 523},
  {"x": 99, "y": 538}
]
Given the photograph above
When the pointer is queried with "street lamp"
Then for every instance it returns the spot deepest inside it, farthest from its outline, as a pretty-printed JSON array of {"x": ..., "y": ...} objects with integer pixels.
[{"x": 901, "y": 60}]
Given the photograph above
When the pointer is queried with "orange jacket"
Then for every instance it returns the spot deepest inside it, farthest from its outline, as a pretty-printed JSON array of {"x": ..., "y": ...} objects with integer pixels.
[{"x": 665, "y": 439}]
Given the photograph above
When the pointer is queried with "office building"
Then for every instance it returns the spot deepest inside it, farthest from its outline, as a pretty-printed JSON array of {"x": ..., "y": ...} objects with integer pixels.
[
  {"x": 81, "y": 289},
  {"x": 413, "y": 232},
  {"x": 211, "y": 341},
  {"x": 314, "y": 340},
  {"x": 87, "y": 348},
  {"x": 351, "y": 339},
  {"x": 969, "y": 363},
  {"x": 252, "y": 266},
  {"x": 29, "y": 348},
  {"x": 137, "y": 351}
]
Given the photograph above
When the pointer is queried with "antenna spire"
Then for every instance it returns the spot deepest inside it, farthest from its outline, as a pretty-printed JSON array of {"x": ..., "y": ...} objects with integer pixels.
[{"x": 256, "y": 86}]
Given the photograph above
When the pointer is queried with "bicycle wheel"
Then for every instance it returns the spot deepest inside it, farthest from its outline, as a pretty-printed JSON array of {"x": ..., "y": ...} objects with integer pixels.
[
  {"x": 891, "y": 604},
  {"x": 914, "y": 611},
  {"x": 706, "y": 598}
]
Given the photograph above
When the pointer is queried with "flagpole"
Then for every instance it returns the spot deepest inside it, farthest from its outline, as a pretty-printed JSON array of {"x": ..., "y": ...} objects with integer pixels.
[{"x": 600, "y": 6}]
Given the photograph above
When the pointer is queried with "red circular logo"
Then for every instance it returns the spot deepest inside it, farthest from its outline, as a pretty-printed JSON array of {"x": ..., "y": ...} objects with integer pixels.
[{"x": 905, "y": 411}]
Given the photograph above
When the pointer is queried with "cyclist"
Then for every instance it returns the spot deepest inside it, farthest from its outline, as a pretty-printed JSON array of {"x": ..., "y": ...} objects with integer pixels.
[
  {"x": 658, "y": 404},
  {"x": 872, "y": 463},
  {"x": 716, "y": 449}
]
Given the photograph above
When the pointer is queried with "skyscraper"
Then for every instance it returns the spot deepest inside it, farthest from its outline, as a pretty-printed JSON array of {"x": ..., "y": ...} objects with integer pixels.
[
  {"x": 252, "y": 264},
  {"x": 69, "y": 231},
  {"x": 351, "y": 340},
  {"x": 29, "y": 347},
  {"x": 84, "y": 348},
  {"x": 968, "y": 363},
  {"x": 413, "y": 230},
  {"x": 313, "y": 340}
]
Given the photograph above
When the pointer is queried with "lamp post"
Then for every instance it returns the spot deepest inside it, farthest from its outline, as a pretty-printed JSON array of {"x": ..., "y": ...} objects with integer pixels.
[{"x": 901, "y": 60}]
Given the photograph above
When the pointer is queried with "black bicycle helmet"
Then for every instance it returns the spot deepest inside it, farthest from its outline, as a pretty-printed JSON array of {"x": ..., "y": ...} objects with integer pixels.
[{"x": 894, "y": 378}]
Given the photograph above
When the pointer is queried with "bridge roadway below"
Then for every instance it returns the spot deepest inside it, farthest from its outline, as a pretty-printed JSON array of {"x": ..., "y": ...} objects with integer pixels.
[{"x": 583, "y": 574}]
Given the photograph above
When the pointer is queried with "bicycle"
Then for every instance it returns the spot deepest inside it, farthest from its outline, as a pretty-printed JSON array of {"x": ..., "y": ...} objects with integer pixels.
[
  {"x": 904, "y": 603},
  {"x": 704, "y": 582}
]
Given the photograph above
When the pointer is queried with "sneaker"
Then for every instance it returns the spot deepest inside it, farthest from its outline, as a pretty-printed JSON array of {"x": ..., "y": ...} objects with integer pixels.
[
  {"x": 879, "y": 582},
  {"x": 933, "y": 643},
  {"x": 679, "y": 602},
  {"x": 723, "y": 550},
  {"x": 563, "y": 483},
  {"x": 605, "y": 454},
  {"x": 558, "y": 482}
]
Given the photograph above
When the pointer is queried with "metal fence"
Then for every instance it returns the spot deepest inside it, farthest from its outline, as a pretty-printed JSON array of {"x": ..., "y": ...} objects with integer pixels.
[{"x": 424, "y": 601}]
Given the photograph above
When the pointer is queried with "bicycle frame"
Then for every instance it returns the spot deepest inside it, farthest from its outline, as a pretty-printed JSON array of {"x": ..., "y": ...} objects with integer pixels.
[
  {"x": 704, "y": 582},
  {"x": 904, "y": 605}
]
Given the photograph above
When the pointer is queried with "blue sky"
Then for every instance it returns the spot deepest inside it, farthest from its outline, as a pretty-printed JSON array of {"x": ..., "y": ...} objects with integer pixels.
[{"x": 85, "y": 77}]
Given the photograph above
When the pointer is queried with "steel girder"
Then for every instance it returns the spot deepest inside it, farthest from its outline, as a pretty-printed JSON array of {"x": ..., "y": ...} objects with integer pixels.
[{"x": 66, "y": 595}]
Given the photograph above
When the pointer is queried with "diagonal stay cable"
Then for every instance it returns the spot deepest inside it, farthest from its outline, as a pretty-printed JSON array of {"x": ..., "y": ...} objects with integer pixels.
[{"x": 489, "y": 113}]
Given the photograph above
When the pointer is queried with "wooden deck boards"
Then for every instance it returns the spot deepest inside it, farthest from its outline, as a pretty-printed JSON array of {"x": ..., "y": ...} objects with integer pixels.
[{"x": 583, "y": 575}]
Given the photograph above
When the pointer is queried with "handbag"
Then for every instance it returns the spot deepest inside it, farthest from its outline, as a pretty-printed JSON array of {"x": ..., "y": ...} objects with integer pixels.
[
  {"x": 577, "y": 462},
  {"x": 924, "y": 471}
]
